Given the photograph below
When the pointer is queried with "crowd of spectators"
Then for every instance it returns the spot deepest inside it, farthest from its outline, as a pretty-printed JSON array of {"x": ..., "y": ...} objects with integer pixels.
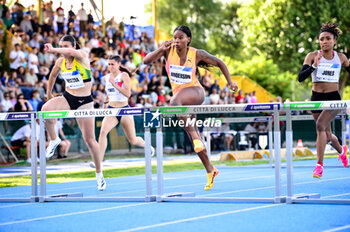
[{"x": 31, "y": 65}]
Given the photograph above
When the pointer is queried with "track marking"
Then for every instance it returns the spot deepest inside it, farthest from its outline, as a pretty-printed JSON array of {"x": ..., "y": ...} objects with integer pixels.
[
  {"x": 338, "y": 228},
  {"x": 70, "y": 214},
  {"x": 198, "y": 218}
]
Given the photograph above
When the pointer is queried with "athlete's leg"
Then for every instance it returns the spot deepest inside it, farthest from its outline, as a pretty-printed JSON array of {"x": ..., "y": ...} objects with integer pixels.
[
  {"x": 56, "y": 103},
  {"x": 108, "y": 123},
  {"x": 192, "y": 96},
  {"x": 87, "y": 127},
  {"x": 128, "y": 125},
  {"x": 324, "y": 134}
]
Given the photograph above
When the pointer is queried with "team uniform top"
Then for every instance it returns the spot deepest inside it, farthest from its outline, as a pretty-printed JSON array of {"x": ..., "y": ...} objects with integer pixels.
[
  {"x": 76, "y": 76},
  {"x": 113, "y": 94},
  {"x": 327, "y": 70},
  {"x": 182, "y": 76}
]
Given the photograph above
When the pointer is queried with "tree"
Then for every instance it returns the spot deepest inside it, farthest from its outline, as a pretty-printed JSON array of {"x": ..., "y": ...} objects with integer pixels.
[{"x": 214, "y": 25}]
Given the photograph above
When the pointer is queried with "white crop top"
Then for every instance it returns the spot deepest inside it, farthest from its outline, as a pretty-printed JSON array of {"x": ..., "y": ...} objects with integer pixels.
[
  {"x": 113, "y": 94},
  {"x": 327, "y": 70}
]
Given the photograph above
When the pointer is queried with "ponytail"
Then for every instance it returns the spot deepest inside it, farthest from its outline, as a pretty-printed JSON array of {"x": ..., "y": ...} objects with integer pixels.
[{"x": 124, "y": 69}]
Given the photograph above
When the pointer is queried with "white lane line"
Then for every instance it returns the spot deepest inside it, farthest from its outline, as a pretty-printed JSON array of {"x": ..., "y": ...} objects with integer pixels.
[
  {"x": 198, "y": 218},
  {"x": 338, "y": 228},
  {"x": 70, "y": 214},
  {"x": 7, "y": 206},
  {"x": 338, "y": 195}
]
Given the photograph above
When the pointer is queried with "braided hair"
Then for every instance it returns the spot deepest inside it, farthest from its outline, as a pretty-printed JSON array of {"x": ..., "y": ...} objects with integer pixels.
[{"x": 332, "y": 28}]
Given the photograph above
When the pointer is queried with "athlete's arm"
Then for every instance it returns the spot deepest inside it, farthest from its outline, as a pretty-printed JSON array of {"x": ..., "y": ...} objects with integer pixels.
[
  {"x": 80, "y": 55},
  {"x": 204, "y": 56},
  {"x": 126, "y": 91},
  {"x": 163, "y": 50},
  {"x": 307, "y": 69},
  {"x": 52, "y": 78},
  {"x": 345, "y": 62}
]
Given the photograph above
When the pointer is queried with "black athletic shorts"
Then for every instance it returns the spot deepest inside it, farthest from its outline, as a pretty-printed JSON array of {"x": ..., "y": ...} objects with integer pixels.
[
  {"x": 331, "y": 96},
  {"x": 18, "y": 143},
  {"x": 75, "y": 102}
]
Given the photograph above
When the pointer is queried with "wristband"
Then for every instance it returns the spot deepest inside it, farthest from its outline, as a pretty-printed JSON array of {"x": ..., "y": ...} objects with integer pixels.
[
  {"x": 105, "y": 102},
  {"x": 313, "y": 66}
]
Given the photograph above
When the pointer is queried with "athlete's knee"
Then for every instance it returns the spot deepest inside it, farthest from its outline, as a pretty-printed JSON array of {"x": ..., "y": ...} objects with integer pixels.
[
  {"x": 104, "y": 132},
  {"x": 320, "y": 126},
  {"x": 90, "y": 142}
]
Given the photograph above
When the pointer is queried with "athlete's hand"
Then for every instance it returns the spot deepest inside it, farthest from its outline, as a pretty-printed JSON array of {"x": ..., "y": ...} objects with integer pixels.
[
  {"x": 166, "y": 45},
  {"x": 48, "y": 47},
  {"x": 233, "y": 87},
  {"x": 318, "y": 58},
  {"x": 49, "y": 96}
]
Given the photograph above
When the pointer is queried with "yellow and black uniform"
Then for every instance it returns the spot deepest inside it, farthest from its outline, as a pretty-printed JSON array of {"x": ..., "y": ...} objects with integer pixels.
[
  {"x": 182, "y": 76},
  {"x": 74, "y": 79}
]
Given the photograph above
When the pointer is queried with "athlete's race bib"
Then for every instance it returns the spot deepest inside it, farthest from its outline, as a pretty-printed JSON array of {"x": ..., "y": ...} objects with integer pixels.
[
  {"x": 180, "y": 74},
  {"x": 327, "y": 72},
  {"x": 73, "y": 79}
]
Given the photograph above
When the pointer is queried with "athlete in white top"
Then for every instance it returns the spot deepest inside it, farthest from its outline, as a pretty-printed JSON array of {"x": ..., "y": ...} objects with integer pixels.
[
  {"x": 118, "y": 90},
  {"x": 324, "y": 66}
]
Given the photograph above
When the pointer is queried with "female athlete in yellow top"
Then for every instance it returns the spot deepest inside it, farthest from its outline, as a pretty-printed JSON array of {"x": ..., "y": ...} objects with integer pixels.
[
  {"x": 74, "y": 67},
  {"x": 181, "y": 65}
]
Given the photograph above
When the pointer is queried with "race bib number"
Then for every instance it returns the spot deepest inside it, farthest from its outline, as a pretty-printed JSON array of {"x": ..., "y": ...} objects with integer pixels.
[
  {"x": 73, "y": 79},
  {"x": 328, "y": 72},
  {"x": 180, "y": 74}
]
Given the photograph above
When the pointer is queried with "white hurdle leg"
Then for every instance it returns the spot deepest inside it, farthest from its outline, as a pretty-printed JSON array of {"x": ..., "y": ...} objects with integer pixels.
[
  {"x": 289, "y": 150},
  {"x": 270, "y": 142},
  {"x": 42, "y": 158},
  {"x": 148, "y": 164},
  {"x": 33, "y": 155},
  {"x": 277, "y": 143},
  {"x": 343, "y": 128},
  {"x": 208, "y": 144},
  {"x": 160, "y": 176}
]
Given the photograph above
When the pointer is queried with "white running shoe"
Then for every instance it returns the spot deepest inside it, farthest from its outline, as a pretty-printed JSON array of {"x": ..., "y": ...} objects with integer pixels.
[
  {"x": 92, "y": 164},
  {"x": 50, "y": 150},
  {"x": 101, "y": 183},
  {"x": 153, "y": 151}
]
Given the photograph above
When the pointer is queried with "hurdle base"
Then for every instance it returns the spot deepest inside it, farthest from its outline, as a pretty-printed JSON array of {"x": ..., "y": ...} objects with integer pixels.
[
  {"x": 78, "y": 197},
  {"x": 175, "y": 195},
  {"x": 221, "y": 199},
  {"x": 20, "y": 200},
  {"x": 315, "y": 198},
  {"x": 301, "y": 196}
]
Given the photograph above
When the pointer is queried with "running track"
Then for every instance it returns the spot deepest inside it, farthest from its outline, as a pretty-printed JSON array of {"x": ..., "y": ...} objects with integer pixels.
[{"x": 231, "y": 182}]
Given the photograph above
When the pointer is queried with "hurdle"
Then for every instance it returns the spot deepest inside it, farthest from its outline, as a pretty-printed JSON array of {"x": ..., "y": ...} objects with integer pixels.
[
  {"x": 33, "y": 154},
  {"x": 308, "y": 197},
  {"x": 267, "y": 119},
  {"x": 341, "y": 117},
  {"x": 208, "y": 109},
  {"x": 78, "y": 196}
]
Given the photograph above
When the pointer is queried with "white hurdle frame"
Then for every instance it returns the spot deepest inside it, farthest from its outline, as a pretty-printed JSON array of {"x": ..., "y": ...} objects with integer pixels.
[
  {"x": 189, "y": 197},
  {"x": 309, "y": 197},
  {"x": 78, "y": 197},
  {"x": 33, "y": 154},
  {"x": 267, "y": 119}
]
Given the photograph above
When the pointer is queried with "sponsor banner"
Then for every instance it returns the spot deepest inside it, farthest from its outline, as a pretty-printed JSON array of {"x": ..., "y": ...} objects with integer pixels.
[
  {"x": 326, "y": 105},
  {"x": 261, "y": 107},
  {"x": 245, "y": 119},
  {"x": 172, "y": 109},
  {"x": 54, "y": 114},
  {"x": 213, "y": 109},
  {"x": 304, "y": 105},
  {"x": 19, "y": 116},
  {"x": 131, "y": 111}
]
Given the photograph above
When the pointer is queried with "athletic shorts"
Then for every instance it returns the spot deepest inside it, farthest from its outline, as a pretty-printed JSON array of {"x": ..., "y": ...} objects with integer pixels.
[
  {"x": 331, "y": 96},
  {"x": 119, "y": 117},
  {"x": 75, "y": 102},
  {"x": 18, "y": 143}
]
